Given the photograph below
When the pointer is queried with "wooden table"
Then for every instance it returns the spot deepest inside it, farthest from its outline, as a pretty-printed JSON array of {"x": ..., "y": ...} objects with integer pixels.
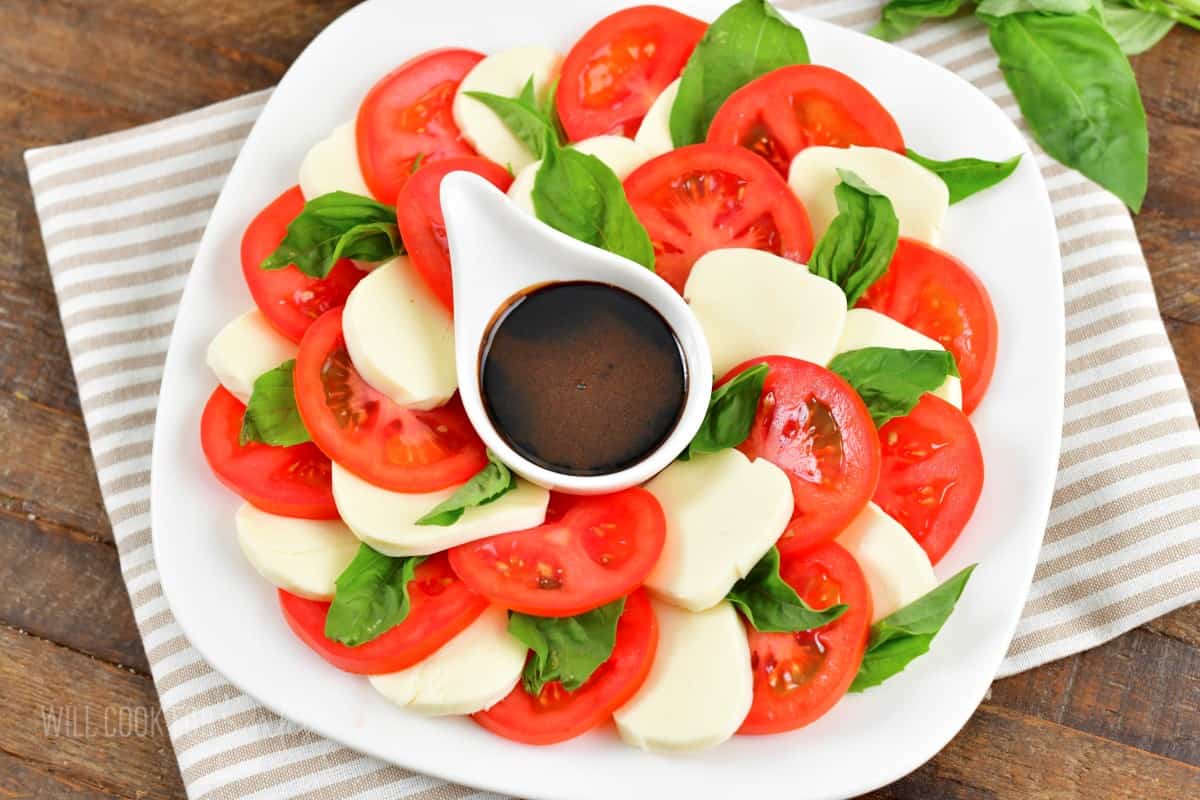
[{"x": 1122, "y": 720}]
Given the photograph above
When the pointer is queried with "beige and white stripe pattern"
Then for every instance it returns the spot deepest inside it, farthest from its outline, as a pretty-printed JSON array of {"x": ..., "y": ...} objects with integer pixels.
[{"x": 121, "y": 216}]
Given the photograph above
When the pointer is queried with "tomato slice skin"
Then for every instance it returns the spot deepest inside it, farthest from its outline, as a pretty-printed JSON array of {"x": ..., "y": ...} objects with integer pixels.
[
  {"x": 710, "y": 196},
  {"x": 616, "y": 70},
  {"x": 422, "y": 226},
  {"x": 779, "y": 114},
  {"x": 289, "y": 299},
  {"x": 827, "y": 659},
  {"x": 557, "y": 715},
  {"x": 601, "y": 549},
  {"x": 932, "y": 474},
  {"x": 813, "y": 425},
  {"x": 407, "y": 114},
  {"x": 441, "y": 607},
  {"x": 933, "y": 292},
  {"x": 288, "y": 481},
  {"x": 393, "y": 447}
]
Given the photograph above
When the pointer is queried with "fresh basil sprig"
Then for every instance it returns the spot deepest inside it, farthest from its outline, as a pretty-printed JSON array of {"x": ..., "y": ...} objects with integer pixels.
[
  {"x": 566, "y": 649},
  {"x": 905, "y": 634},
  {"x": 337, "y": 225},
  {"x": 967, "y": 176},
  {"x": 860, "y": 241},
  {"x": 749, "y": 40},
  {"x": 772, "y": 606},
  {"x": 486, "y": 486},
  {"x": 530, "y": 122},
  {"x": 730, "y": 414},
  {"x": 371, "y": 597},
  {"x": 271, "y": 415},
  {"x": 899, "y": 18},
  {"x": 891, "y": 381}
]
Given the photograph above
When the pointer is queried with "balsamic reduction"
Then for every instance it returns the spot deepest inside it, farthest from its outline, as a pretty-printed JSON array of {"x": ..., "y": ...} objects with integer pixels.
[{"x": 582, "y": 378}]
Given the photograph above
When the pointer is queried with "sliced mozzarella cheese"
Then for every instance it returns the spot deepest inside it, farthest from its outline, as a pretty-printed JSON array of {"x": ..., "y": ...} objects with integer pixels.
[
  {"x": 919, "y": 197},
  {"x": 896, "y": 568},
  {"x": 621, "y": 155},
  {"x": 301, "y": 556},
  {"x": 654, "y": 134},
  {"x": 723, "y": 513},
  {"x": 400, "y": 337},
  {"x": 700, "y": 686},
  {"x": 387, "y": 520},
  {"x": 471, "y": 672},
  {"x": 867, "y": 328},
  {"x": 504, "y": 74},
  {"x": 332, "y": 165},
  {"x": 244, "y": 349},
  {"x": 751, "y": 303}
]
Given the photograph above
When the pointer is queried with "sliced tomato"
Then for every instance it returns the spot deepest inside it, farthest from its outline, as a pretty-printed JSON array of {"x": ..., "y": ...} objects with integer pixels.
[
  {"x": 288, "y": 481},
  {"x": 422, "y": 226},
  {"x": 933, "y": 292},
  {"x": 440, "y": 607},
  {"x": 620, "y": 66},
  {"x": 800, "y": 676},
  {"x": 289, "y": 299},
  {"x": 707, "y": 197},
  {"x": 557, "y": 715},
  {"x": 932, "y": 473},
  {"x": 814, "y": 426},
  {"x": 783, "y": 112},
  {"x": 601, "y": 549},
  {"x": 366, "y": 432}
]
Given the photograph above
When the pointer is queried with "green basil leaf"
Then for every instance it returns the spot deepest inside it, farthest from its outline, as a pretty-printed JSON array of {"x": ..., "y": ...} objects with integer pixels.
[
  {"x": 749, "y": 40},
  {"x": 271, "y": 415},
  {"x": 371, "y": 597},
  {"x": 899, "y": 18},
  {"x": 486, "y": 486},
  {"x": 566, "y": 649},
  {"x": 337, "y": 225},
  {"x": 528, "y": 121},
  {"x": 581, "y": 196},
  {"x": 1136, "y": 30},
  {"x": 730, "y": 414},
  {"x": 1077, "y": 92},
  {"x": 772, "y": 606},
  {"x": 906, "y": 634},
  {"x": 967, "y": 176},
  {"x": 858, "y": 245},
  {"x": 891, "y": 381},
  {"x": 1001, "y": 8}
]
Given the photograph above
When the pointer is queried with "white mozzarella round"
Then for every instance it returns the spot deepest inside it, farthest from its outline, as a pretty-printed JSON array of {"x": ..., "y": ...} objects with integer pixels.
[
  {"x": 618, "y": 153},
  {"x": 896, "y": 568},
  {"x": 244, "y": 349},
  {"x": 753, "y": 303},
  {"x": 332, "y": 165},
  {"x": 301, "y": 556},
  {"x": 471, "y": 672},
  {"x": 723, "y": 513},
  {"x": 387, "y": 520},
  {"x": 700, "y": 686},
  {"x": 503, "y": 74},
  {"x": 400, "y": 337},
  {"x": 919, "y": 197},
  {"x": 654, "y": 134},
  {"x": 867, "y": 328}
]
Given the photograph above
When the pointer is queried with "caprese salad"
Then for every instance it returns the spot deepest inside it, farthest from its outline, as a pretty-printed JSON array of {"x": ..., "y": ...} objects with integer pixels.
[{"x": 786, "y": 557}]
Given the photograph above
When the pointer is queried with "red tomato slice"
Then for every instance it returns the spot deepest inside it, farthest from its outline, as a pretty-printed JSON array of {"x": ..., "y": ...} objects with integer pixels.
[
  {"x": 616, "y": 70},
  {"x": 441, "y": 607},
  {"x": 366, "y": 432},
  {"x": 800, "y": 676},
  {"x": 557, "y": 715},
  {"x": 932, "y": 473},
  {"x": 815, "y": 427},
  {"x": 707, "y": 197},
  {"x": 407, "y": 115},
  {"x": 789, "y": 109},
  {"x": 933, "y": 292},
  {"x": 601, "y": 549},
  {"x": 422, "y": 226},
  {"x": 288, "y": 298},
  {"x": 288, "y": 481}
]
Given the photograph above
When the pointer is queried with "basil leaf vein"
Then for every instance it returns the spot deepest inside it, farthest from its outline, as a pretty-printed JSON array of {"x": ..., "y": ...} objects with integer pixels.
[
  {"x": 566, "y": 649},
  {"x": 337, "y": 225},
  {"x": 271, "y": 415},
  {"x": 967, "y": 176},
  {"x": 860, "y": 241},
  {"x": 486, "y": 486},
  {"x": 891, "y": 381},
  {"x": 730, "y": 414},
  {"x": 772, "y": 606},
  {"x": 371, "y": 597}
]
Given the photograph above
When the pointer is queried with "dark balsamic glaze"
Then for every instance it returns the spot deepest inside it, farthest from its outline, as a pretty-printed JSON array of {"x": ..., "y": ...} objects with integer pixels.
[{"x": 582, "y": 378}]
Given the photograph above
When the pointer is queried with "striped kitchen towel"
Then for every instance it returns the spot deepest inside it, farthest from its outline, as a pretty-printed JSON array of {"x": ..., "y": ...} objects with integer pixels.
[{"x": 121, "y": 216}]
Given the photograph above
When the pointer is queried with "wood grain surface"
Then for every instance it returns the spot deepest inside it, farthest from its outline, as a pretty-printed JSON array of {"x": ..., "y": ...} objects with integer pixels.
[{"x": 78, "y": 713}]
